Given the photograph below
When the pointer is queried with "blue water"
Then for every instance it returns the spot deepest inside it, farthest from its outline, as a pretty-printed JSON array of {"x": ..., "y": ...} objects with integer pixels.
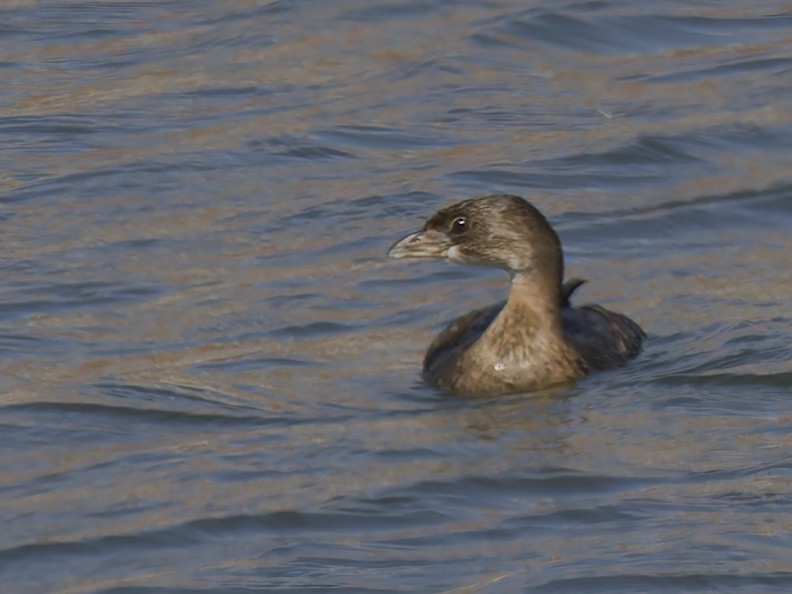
[{"x": 210, "y": 371}]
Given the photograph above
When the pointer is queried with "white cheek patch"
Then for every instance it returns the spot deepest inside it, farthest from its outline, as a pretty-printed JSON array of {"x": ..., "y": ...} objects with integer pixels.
[
  {"x": 453, "y": 254},
  {"x": 518, "y": 263}
]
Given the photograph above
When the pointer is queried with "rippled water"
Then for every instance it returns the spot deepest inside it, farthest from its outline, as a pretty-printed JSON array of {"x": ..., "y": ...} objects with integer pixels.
[{"x": 210, "y": 372}]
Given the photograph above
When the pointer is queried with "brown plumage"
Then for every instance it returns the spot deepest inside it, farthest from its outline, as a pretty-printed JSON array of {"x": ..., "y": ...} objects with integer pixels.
[{"x": 535, "y": 338}]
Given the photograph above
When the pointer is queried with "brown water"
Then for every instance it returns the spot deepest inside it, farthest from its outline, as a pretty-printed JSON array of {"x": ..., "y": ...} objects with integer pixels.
[{"x": 210, "y": 371}]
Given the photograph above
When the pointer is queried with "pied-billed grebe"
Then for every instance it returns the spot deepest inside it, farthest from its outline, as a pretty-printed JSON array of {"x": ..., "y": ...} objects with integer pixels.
[{"x": 533, "y": 339}]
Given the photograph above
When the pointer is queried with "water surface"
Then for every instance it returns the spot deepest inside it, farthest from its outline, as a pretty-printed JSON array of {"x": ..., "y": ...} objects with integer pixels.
[{"x": 210, "y": 372}]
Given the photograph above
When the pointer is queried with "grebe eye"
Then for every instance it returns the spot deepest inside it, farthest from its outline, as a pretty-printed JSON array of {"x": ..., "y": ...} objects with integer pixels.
[{"x": 459, "y": 225}]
